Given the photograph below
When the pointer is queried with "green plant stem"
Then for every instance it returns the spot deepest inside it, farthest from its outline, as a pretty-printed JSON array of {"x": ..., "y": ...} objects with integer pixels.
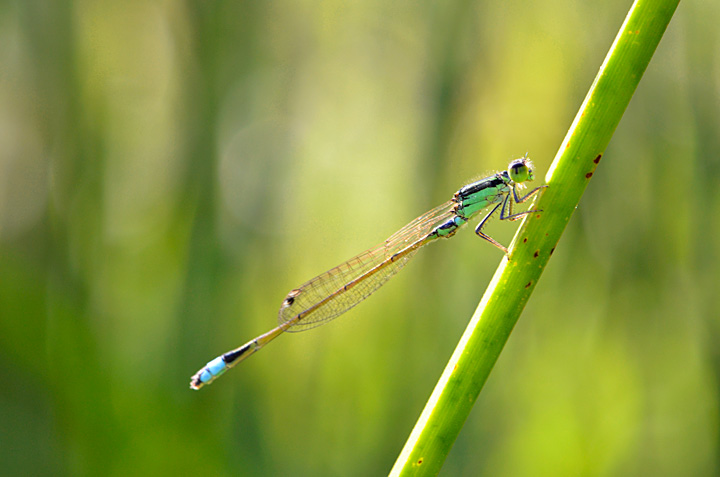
[{"x": 534, "y": 243}]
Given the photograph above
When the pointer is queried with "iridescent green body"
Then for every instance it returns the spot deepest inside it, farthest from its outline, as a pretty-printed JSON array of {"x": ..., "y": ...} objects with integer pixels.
[{"x": 334, "y": 292}]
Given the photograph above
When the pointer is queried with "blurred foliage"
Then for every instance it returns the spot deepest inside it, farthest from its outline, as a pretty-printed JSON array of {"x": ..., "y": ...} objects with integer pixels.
[{"x": 170, "y": 169}]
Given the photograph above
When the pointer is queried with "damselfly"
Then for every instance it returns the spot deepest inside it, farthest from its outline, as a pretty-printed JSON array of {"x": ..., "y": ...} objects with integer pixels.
[{"x": 336, "y": 291}]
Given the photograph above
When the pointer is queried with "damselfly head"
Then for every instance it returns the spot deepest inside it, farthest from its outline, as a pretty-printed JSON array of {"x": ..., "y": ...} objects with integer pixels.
[{"x": 520, "y": 170}]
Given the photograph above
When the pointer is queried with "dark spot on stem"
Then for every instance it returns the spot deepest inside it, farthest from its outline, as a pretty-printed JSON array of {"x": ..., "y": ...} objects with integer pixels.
[
  {"x": 552, "y": 250},
  {"x": 588, "y": 175},
  {"x": 528, "y": 284},
  {"x": 597, "y": 159},
  {"x": 525, "y": 240},
  {"x": 536, "y": 254},
  {"x": 420, "y": 461}
]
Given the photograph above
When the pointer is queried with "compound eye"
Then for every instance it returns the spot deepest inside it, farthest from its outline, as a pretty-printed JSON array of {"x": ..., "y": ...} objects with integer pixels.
[{"x": 519, "y": 171}]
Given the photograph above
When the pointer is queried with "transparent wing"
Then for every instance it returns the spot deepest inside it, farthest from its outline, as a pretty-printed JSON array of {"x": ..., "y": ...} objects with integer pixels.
[{"x": 330, "y": 288}]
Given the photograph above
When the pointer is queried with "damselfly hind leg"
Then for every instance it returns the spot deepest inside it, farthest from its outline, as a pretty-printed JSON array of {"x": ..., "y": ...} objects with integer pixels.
[
  {"x": 483, "y": 235},
  {"x": 506, "y": 205}
]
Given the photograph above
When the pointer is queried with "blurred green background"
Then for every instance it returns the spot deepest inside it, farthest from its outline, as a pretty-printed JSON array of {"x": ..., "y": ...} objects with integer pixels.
[{"x": 169, "y": 170}]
